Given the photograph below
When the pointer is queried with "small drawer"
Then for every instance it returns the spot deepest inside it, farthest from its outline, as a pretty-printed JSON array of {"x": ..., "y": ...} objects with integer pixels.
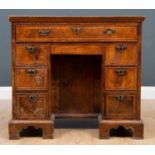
[
  {"x": 76, "y": 33},
  {"x": 121, "y": 54},
  {"x": 76, "y": 49},
  {"x": 120, "y": 105},
  {"x": 32, "y": 54},
  {"x": 124, "y": 78},
  {"x": 31, "y": 106},
  {"x": 31, "y": 78}
]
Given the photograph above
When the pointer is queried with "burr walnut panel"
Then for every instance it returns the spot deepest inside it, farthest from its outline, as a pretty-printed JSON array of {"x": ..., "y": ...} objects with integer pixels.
[
  {"x": 120, "y": 105},
  {"x": 121, "y": 54},
  {"x": 31, "y": 106},
  {"x": 32, "y": 54},
  {"x": 123, "y": 78},
  {"x": 75, "y": 33},
  {"x": 31, "y": 78}
]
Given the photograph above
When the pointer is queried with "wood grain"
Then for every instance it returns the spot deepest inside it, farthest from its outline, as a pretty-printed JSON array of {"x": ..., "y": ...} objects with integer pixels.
[
  {"x": 116, "y": 55},
  {"x": 27, "y": 106},
  {"x": 27, "y": 81},
  {"x": 116, "y": 81},
  {"x": 31, "y": 54},
  {"x": 76, "y": 50},
  {"x": 76, "y": 33}
]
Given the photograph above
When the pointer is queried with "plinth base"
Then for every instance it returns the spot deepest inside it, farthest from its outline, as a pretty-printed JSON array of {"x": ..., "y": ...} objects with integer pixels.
[
  {"x": 16, "y": 126},
  {"x": 106, "y": 125}
]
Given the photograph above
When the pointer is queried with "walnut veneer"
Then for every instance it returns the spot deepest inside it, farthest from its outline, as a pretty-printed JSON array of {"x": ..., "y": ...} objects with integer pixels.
[{"x": 76, "y": 67}]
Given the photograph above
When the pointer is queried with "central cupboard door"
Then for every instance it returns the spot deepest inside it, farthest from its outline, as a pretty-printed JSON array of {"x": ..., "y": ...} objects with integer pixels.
[{"x": 79, "y": 83}]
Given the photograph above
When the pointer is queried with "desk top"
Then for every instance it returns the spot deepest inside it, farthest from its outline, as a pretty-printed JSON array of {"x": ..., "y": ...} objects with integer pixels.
[{"x": 76, "y": 19}]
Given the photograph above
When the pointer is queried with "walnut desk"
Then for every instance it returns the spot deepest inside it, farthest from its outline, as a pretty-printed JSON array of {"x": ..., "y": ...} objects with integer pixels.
[{"x": 76, "y": 67}]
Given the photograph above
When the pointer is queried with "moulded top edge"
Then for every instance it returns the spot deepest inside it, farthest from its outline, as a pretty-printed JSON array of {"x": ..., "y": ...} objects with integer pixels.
[{"x": 78, "y": 19}]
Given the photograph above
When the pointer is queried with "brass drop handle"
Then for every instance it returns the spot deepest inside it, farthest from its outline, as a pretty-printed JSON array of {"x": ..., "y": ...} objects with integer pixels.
[
  {"x": 76, "y": 29},
  {"x": 121, "y": 72},
  {"x": 31, "y": 71},
  {"x": 120, "y": 98},
  {"x": 32, "y": 98},
  {"x": 121, "y": 47},
  {"x": 31, "y": 49},
  {"x": 109, "y": 31},
  {"x": 44, "y": 32}
]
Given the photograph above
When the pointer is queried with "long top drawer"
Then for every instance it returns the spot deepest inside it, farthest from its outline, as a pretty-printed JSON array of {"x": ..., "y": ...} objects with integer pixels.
[{"x": 76, "y": 32}]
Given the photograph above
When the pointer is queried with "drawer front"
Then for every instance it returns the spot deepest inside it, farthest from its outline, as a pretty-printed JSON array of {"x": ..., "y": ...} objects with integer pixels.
[
  {"x": 120, "y": 105},
  {"x": 30, "y": 54},
  {"x": 121, "y": 54},
  {"x": 31, "y": 106},
  {"x": 76, "y": 49},
  {"x": 67, "y": 33},
  {"x": 31, "y": 78},
  {"x": 120, "y": 78}
]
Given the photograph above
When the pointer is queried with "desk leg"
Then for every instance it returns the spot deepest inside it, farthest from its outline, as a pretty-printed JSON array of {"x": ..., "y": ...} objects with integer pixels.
[
  {"x": 16, "y": 126},
  {"x": 106, "y": 126}
]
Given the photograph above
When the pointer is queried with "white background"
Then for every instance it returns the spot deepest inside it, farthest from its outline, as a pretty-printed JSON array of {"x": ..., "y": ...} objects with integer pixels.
[{"x": 78, "y": 4}]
